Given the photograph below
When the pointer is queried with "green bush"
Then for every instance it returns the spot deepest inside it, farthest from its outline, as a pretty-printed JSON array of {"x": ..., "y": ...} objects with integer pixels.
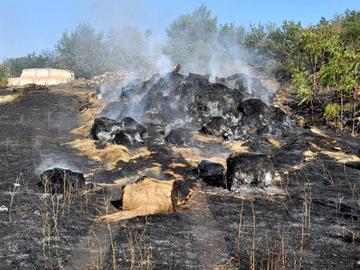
[
  {"x": 332, "y": 111},
  {"x": 3, "y": 76},
  {"x": 14, "y": 66}
]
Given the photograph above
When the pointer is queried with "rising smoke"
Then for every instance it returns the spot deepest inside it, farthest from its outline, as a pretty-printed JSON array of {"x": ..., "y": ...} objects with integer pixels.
[{"x": 138, "y": 55}]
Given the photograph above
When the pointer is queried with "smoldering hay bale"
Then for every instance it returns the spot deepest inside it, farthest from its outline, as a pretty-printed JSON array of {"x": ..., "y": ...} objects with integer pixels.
[
  {"x": 58, "y": 180},
  {"x": 146, "y": 196}
]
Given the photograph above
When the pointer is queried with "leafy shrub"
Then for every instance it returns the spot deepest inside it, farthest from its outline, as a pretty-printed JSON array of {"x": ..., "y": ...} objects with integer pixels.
[
  {"x": 332, "y": 111},
  {"x": 3, "y": 76}
]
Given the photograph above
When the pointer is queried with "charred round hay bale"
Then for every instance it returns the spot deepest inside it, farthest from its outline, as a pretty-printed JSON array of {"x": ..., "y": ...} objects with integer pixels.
[
  {"x": 102, "y": 125},
  {"x": 249, "y": 169},
  {"x": 59, "y": 180},
  {"x": 212, "y": 173},
  {"x": 125, "y": 132},
  {"x": 179, "y": 137},
  {"x": 254, "y": 108},
  {"x": 126, "y": 137},
  {"x": 128, "y": 123},
  {"x": 216, "y": 126}
]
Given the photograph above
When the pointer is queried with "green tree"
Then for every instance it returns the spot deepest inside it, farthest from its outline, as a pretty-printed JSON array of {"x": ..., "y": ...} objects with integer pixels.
[
  {"x": 350, "y": 28},
  {"x": 128, "y": 49},
  {"x": 191, "y": 37},
  {"x": 273, "y": 46},
  {"x": 341, "y": 75},
  {"x": 316, "y": 47},
  {"x": 14, "y": 66},
  {"x": 3, "y": 76},
  {"x": 82, "y": 51}
]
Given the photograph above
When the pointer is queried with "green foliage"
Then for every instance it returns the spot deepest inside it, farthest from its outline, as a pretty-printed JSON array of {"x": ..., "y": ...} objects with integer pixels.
[
  {"x": 14, "y": 66},
  {"x": 350, "y": 28},
  {"x": 275, "y": 45},
  {"x": 190, "y": 38},
  {"x": 332, "y": 111},
  {"x": 127, "y": 49},
  {"x": 82, "y": 51},
  {"x": 3, "y": 76},
  {"x": 303, "y": 82}
]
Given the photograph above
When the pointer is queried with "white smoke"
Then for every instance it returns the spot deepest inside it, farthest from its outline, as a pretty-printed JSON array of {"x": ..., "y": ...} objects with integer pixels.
[{"x": 51, "y": 161}]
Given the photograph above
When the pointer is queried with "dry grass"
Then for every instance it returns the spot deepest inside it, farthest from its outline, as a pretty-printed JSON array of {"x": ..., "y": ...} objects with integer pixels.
[
  {"x": 8, "y": 98},
  {"x": 155, "y": 169},
  {"x": 338, "y": 155},
  {"x": 341, "y": 157},
  {"x": 88, "y": 115},
  {"x": 318, "y": 131},
  {"x": 174, "y": 174},
  {"x": 177, "y": 165},
  {"x": 275, "y": 143},
  {"x": 194, "y": 155},
  {"x": 237, "y": 146},
  {"x": 110, "y": 155},
  {"x": 207, "y": 138}
]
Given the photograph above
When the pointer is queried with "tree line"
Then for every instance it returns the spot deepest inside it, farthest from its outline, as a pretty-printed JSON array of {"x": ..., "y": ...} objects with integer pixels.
[{"x": 321, "y": 60}]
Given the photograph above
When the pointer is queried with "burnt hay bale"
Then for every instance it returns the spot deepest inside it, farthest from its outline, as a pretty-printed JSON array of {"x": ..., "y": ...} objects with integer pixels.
[
  {"x": 212, "y": 173},
  {"x": 254, "y": 107},
  {"x": 59, "y": 180},
  {"x": 101, "y": 126},
  {"x": 179, "y": 137},
  {"x": 216, "y": 126},
  {"x": 125, "y": 132},
  {"x": 249, "y": 169},
  {"x": 128, "y": 123},
  {"x": 126, "y": 137}
]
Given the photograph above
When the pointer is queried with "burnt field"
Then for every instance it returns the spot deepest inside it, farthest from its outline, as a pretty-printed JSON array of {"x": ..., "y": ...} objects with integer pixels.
[{"x": 177, "y": 172}]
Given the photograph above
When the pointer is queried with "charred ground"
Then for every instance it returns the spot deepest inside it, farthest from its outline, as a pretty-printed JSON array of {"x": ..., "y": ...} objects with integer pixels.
[{"x": 309, "y": 218}]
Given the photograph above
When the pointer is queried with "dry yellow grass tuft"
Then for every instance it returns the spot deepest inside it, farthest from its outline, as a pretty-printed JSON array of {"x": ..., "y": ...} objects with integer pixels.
[
  {"x": 207, "y": 138},
  {"x": 8, "y": 98},
  {"x": 318, "y": 131},
  {"x": 194, "y": 155},
  {"x": 88, "y": 115},
  {"x": 155, "y": 169},
  {"x": 82, "y": 130},
  {"x": 237, "y": 146},
  {"x": 275, "y": 143},
  {"x": 338, "y": 155},
  {"x": 341, "y": 156},
  {"x": 147, "y": 196},
  {"x": 174, "y": 174},
  {"x": 177, "y": 165},
  {"x": 110, "y": 155}
]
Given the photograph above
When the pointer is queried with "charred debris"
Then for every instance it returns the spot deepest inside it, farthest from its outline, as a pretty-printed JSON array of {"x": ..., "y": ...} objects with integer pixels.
[{"x": 169, "y": 110}]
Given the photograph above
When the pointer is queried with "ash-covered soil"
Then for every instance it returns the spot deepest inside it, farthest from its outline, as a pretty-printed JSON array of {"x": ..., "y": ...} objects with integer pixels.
[
  {"x": 33, "y": 129},
  {"x": 308, "y": 219}
]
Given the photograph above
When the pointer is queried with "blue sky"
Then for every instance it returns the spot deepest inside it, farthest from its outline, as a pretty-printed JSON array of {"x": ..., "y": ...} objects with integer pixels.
[{"x": 36, "y": 25}]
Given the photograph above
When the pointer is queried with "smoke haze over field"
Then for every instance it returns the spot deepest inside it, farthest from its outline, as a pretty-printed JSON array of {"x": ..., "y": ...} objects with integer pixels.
[{"x": 41, "y": 22}]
